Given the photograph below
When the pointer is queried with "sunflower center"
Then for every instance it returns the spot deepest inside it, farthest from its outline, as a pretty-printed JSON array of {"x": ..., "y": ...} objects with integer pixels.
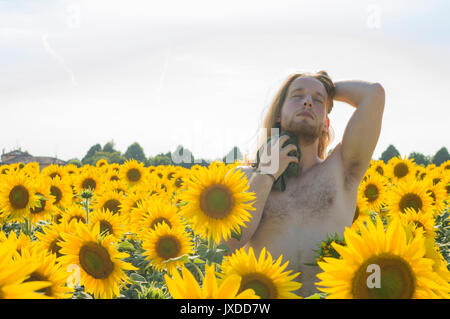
[
  {"x": 170, "y": 175},
  {"x": 160, "y": 220},
  {"x": 355, "y": 217},
  {"x": 418, "y": 224},
  {"x": 89, "y": 183},
  {"x": 36, "y": 276},
  {"x": 436, "y": 181},
  {"x": 261, "y": 284},
  {"x": 422, "y": 176},
  {"x": 179, "y": 182},
  {"x": 432, "y": 195},
  {"x": 53, "y": 175},
  {"x": 216, "y": 201},
  {"x": 380, "y": 171},
  {"x": 396, "y": 279},
  {"x": 55, "y": 191},
  {"x": 18, "y": 197},
  {"x": 410, "y": 200},
  {"x": 95, "y": 260},
  {"x": 55, "y": 248},
  {"x": 134, "y": 175},
  {"x": 37, "y": 210},
  {"x": 401, "y": 170},
  {"x": 57, "y": 218},
  {"x": 106, "y": 227},
  {"x": 114, "y": 178},
  {"x": 371, "y": 192},
  {"x": 112, "y": 205},
  {"x": 168, "y": 247},
  {"x": 77, "y": 218},
  {"x": 136, "y": 203}
]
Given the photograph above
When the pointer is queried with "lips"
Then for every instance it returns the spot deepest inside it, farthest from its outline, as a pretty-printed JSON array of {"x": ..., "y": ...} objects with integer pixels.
[{"x": 305, "y": 113}]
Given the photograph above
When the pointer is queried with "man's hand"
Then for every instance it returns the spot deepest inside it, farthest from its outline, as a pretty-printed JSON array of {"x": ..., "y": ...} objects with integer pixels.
[{"x": 274, "y": 158}]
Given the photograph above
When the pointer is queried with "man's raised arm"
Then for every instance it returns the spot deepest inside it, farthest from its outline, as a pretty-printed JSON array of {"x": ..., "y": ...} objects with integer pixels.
[{"x": 363, "y": 129}]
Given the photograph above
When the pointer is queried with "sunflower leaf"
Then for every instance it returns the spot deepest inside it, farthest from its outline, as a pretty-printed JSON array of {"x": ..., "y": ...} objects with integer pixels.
[
  {"x": 137, "y": 278},
  {"x": 197, "y": 260},
  {"x": 183, "y": 258}
]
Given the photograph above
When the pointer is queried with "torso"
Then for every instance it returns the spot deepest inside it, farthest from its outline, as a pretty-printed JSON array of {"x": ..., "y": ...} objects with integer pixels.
[{"x": 320, "y": 201}]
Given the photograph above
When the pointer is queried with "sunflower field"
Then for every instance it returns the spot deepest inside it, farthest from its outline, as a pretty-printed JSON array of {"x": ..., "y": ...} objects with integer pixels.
[{"x": 159, "y": 232}]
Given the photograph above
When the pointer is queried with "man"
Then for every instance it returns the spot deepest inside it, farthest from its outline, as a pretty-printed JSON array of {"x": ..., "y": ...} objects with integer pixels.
[{"x": 321, "y": 200}]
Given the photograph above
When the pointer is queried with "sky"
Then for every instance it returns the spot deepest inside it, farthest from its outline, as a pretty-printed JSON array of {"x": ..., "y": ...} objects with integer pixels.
[{"x": 202, "y": 73}]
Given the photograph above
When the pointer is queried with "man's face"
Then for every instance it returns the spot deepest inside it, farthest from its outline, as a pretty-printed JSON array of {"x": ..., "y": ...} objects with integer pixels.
[{"x": 304, "y": 109}]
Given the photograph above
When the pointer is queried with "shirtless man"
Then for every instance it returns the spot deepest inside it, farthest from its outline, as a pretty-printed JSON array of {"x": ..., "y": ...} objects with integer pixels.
[{"x": 322, "y": 199}]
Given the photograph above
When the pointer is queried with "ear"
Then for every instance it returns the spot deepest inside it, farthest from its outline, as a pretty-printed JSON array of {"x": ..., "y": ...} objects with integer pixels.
[{"x": 327, "y": 124}]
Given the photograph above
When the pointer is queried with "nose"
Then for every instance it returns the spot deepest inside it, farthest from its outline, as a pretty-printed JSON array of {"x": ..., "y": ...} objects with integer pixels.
[{"x": 307, "y": 102}]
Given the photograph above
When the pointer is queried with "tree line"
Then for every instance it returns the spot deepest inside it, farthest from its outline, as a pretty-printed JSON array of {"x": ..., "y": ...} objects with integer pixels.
[
  {"x": 184, "y": 157},
  {"x": 438, "y": 158},
  {"x": 181, "y": 156}
]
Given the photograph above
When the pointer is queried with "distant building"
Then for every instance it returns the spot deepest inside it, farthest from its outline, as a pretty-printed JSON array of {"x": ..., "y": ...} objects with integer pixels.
[{"x": 17, "y": 156}]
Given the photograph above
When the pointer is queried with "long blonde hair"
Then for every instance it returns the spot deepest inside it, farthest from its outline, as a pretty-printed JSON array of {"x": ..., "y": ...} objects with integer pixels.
[{"x": 270, "y": 120}]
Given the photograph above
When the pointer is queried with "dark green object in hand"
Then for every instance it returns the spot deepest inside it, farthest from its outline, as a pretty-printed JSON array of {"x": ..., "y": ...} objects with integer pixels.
[{"x": 292, "y": 169}]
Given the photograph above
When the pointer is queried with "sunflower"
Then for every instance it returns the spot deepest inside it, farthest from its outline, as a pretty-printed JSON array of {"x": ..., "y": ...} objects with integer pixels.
[
  {"x": 265, "y": 276},
  {"x": 438, "y": 193},
  {"x": 13, "y": 274},
  {"x": 445, "y": 166},
  {"x": 421, "y": 173},
  {"x": 54, "y": 170},
  {"x": 74, "y": 213},
  {"x": 110, "y": 200},
  {"x": 32, "y": 169},
  {"x": 217, "y": 202},
  {"x": 155, "y": 211},
  {"x": 116, "y": 186},
  {"x": 102, "y": 163},
  {"x": 61, "y": 191},
  {"x": 408, "y": 193},
  {"x": 414, "y": 220},
  {"x": 186, "y": 287},
  {"x": 403, "y": 272},
  {"x": 378, "y": 167},
  {"x": 20, "y": 243},
  {"x": 113, "y": 176},
  {"x": 399, "y": 169},
  {"x": 165, "y": 243},
  {"x": 88, "y": 177},
  {"x": 374, "y": 190},
  {"x": 17, "y": 196},
  {"x": 46, "y": 208},
  {"x": 47, "y": 269},
  {"x": 71, "y": 169},
  {"x": 110, "y": 223},
  {"x": 361, "y": 210},
  {"x": 131, "y": 202},
  {"x": 100, "y": 264},
  {"x": 50, "y": 237},
  {"x": 132, "y": 172}
]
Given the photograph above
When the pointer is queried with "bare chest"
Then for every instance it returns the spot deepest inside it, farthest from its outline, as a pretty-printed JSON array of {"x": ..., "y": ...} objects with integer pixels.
[{"x": 313, "y": 205}]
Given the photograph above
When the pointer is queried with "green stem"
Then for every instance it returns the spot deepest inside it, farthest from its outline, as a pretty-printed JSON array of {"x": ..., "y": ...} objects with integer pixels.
[
  {"x": 198, "y": 271},
  {"x": 211, "y": 247},
  {"x": 86, "y": 207},
  {"x": 28, "y": 227}
]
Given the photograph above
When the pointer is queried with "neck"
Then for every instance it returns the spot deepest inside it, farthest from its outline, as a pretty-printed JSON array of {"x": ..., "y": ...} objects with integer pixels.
[{"x": 309, "y": 155}]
